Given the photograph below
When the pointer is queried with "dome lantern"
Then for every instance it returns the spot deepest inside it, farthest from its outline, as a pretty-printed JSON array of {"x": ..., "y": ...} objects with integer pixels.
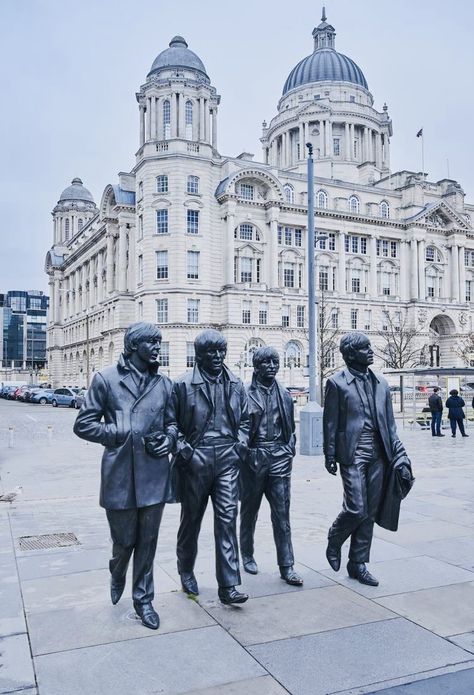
[{"x": 324, "y": 34}]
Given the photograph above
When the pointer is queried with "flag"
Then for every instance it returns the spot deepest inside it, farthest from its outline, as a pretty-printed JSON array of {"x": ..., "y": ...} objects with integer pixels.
[{"x": 419, "y": 133}]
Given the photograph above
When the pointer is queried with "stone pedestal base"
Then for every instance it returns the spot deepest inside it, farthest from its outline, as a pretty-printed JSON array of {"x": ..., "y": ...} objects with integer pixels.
[{"x": 311, "y": 430}]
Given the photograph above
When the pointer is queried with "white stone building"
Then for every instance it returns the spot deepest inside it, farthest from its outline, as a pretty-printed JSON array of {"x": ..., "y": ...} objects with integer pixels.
[{"x": 191, "y": 238}]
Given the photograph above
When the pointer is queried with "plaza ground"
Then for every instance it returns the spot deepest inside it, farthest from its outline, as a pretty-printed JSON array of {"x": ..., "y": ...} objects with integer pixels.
[{"x": 60, "y": 635}]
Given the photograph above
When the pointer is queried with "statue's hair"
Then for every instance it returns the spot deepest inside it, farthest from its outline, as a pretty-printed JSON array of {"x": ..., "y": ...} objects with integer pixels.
[
  {"x": 263, "y": 353},
  {"x": 209, "y": 338},
  {"x": 138, "y": 333},
  {"x": 351, "y": 341}
]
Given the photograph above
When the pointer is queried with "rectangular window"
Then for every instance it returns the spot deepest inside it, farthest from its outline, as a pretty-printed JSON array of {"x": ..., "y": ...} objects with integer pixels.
[
  {"x": 393, "y": 249},
  {"x": 140, "y": 270},
  {"x": 324, "y": 278},
  {"x": 355, "y": 244},
  {"x": 258, "y": 264},
  {"x": 288, "y": 236},
  {"x": 193, "y": 185},
  {"x": 332, "y": 241},
  {"x": 192, "y": 221},
  {"x": 263, "y": 313},
  {"x": 161, "y": 311},
  {"x": 246, "y": 312},
  {"x": 285, "y": 316},
  {"x": 140, "y": 311},
  {"x": 246, "y": 232},
  {"x": 298, "y": 237},
  {"x": 468, "y": 290},
  {"x": 245, "y": 269},
  {"x": 193, "y": 265},
  {"x": 289, "y": 275},
  {"x": 356, "y": 148},
  {"x": 334, "y": 318},
  {"x": 140, "y": 190},
  {"x": 355, "y": 284},
  {"x": 162, "y": 221},
  {"x": 193, "y": 310},
  {"x": 336, "y": 147},
  {"x": 246, "y": 191},
  {"x": 386, "y": 291},
  {"x": 162, "y": 184},
  {"x": 190, "y": 355},
  {"x": 431, "y": 291},
  {"x": 280, "y": 236},
  {"x": 354, "y": 313},
  {"x": 300, "y": 316},
  {"x": 140, "y": 226},
  {"x": 363, "y": 245},
  {"x": 165, "y": 354},
  {"x": 161, "y": 265},
  {"x": 367, "y": 319}
]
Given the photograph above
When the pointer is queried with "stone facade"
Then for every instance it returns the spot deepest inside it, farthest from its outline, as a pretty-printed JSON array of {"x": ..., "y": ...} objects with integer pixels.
[{"x": 191, "y": 238}]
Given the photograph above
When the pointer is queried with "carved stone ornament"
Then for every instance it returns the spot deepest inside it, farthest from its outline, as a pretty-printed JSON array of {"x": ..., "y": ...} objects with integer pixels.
[
  {"x": 422, "y": 316},
  {"x": 463, "y": 319}
]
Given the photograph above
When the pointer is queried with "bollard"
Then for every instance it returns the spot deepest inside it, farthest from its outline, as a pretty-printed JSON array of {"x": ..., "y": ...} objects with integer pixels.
[
  {"x": 10, "y": 437},
  {"x": 50, "y": 434}
]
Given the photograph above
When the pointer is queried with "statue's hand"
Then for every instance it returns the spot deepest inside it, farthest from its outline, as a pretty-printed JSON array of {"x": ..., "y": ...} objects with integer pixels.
[
  {"x": 331, "y": 466},
  {"x": 158, "y": 446}
]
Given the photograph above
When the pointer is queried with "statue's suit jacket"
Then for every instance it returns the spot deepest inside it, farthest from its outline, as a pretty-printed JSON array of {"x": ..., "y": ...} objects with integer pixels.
[
  {"x": 192, "y": 409},
  {"x": 343, "y": 417},
  {"x": 116, "y": 415},
  {"x": 257, "y": 408}
]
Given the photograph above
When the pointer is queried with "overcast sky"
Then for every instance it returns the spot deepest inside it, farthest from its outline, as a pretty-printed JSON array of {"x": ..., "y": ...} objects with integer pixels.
[{"x": 70, "y": 70}]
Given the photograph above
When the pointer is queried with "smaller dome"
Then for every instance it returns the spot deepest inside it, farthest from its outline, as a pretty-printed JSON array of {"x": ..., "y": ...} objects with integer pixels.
[
  {"x": 178, "y": 55},
  {"x": 76, "y": 191}
]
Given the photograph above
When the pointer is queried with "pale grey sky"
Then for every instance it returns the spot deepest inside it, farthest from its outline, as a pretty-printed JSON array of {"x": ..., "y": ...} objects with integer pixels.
[{"x": 69, "y": 73}]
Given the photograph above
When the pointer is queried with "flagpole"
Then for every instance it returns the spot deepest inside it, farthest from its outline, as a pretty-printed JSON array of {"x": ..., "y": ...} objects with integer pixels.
[{"x": 423, "y": 153}]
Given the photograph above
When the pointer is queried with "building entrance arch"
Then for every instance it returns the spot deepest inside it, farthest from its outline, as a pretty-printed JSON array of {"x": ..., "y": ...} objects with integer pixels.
[{"x": 441, "y": 341}]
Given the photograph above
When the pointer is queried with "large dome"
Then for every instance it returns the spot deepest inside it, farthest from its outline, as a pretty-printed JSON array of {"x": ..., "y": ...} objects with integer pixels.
[
  {"x": 76, "y": 191},
  {"x": 178, "y": 55},
  {"x": 325, "y": 64}
]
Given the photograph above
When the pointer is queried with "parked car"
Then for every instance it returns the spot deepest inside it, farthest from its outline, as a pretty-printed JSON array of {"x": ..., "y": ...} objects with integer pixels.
[
  {"x": 297, "y": 391},
  {"x": 80, "y": 397},
  {"x": 64, "y": 396},
  {"x": 18, "y": 393},
  {"x": 42, "y": 396},
  {"x": 25, "y": 395}
]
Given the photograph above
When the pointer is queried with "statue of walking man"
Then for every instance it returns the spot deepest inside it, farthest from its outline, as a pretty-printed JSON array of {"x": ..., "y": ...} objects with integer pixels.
[
  {"x": 124, "y": 404},
  {"x": 267, "y": 468}
]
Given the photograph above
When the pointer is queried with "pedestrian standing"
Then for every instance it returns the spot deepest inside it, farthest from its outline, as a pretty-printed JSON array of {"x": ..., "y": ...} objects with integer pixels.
[
  {"x": 436, "y": 407},
  {"x": 455, "y": 405}
]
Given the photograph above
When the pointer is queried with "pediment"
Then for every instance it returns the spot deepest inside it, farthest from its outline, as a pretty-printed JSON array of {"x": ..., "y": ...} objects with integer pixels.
[{"x": 441, "y": 216}]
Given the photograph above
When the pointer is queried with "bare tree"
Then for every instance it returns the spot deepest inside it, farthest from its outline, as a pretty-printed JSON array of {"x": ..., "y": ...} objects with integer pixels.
[
  {"x": 399, "y": 347},
  {"x": 327, "y": 344},
  {"x": 465, "y": 349}
]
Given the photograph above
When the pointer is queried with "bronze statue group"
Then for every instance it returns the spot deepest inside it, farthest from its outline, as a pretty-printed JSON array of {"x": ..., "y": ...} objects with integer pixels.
[{"x": 207, "y": 436}]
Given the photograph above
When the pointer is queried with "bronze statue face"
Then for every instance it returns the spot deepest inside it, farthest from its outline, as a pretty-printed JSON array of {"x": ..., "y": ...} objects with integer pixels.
[
  {"x": 268, "y": 368},
  {"x": 147, "y": 351},
  {"x": 212, "y": 359},
  {"x": 361, "y": 356}
]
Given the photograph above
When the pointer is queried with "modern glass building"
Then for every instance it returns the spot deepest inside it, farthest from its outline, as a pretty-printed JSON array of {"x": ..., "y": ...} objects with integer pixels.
[{"x": 23, "y": 321}]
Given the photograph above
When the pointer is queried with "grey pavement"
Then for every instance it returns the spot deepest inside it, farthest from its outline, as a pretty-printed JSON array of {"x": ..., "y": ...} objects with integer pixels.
[{"x": 60, "y": 635}]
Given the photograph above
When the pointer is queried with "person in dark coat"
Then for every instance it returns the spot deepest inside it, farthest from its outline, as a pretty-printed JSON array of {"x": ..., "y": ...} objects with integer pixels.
[
  {"x": 435, "y": 404},
  {"x": 267, "y": 468},
  {"x": 210, "y": 406},
  {"x": 455, "y": 405},
  {"x": 124, "y": 403},
  {"x": 360, "y": 434}
]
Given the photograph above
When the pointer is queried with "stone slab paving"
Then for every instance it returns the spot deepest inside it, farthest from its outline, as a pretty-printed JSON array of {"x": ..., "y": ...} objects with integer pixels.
[
  {"x": 332, "y": 635},
  {"x": 459, "y": 683}
]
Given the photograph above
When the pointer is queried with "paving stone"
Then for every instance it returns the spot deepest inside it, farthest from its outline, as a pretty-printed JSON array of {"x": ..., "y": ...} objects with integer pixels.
[
  {"x": 353, "y": 657},
  {"x": 48, "y": 563},
  {"x": 93, "y": 586},
  {"x": 166, "y": 664},
  {"x": 89, "y": 625},
  {"x": 265, "y": 685},
  {"x": 458, "y": 683},
  {"x": 12, "y": 620},
  {"x": 457, "y": 551},
  {"x": 447, "y": 610},
  {"x": 16, "y": 668},
  {"x": 404, "y": 575},
  {"x": 430, "y": 530},
  {"x": 297, "y": 613},
  {"x": 465, "y": 641}
]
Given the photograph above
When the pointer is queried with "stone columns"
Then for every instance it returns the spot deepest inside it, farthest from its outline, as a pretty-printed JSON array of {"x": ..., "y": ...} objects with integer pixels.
[
  {"x": 141, "y": 109},
  {"x": 160, "y": 133},
  {"x": 373, "y": 267},
  {"x": 302, "y": 141},
  {"x": 351, "y": 139},
  {"x": 305, "y": 138},
  {"x": 181, "y": 117},
  {"x": 378, "y": 157},
  {"x": 148, "y": 120},
  {"x": 229, "y": 250},
  {"x": 153, "y": 118},
  {"x": 100, "y": 267},
  {"x": 455, "y": 284},
  {"x": 92, "y": 289},
  {"x": 131, "y": 284},
  {"x": 174, "y": 116},
  {"x": 366, "y": 144},
  {"x": 201, "y": 119},
  {"x": 421, "y": 269},
  {"x": 413, "y": 269},
  {"x": 122, "y": 258},
  {"x": 56, "y": 311},
  {"x": 403, "y": 280},
  {"x": 347, "y": 142},
  {"x": 110, "y": 263},
  {"x": 342, "y": 266},
  {"x": 462, "y": 276},
  {"x": 271, "y": 269},
  {"x": 214, "y": 128},
  {"x": 328, "y": 131}
]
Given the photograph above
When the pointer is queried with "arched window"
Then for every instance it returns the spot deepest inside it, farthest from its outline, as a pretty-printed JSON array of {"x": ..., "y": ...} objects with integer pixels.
[
  {"x": 289, "y": 192},
  {"x": 354, "y": 204},
  {"x": 66, "y": 229},
  {"x": 384, "y": 209},
  {"x": 246, "y": 232},
  {"x": 292, "y": 354},
  {"x": 433, "y": 255},
  {"x": 322, "y": 200},
  {"x": 80, "y": 224},
  {"x": 252, "y": 345},
  {"x": 188, "y": 113},
  {"x": 167, "y": 119}
]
